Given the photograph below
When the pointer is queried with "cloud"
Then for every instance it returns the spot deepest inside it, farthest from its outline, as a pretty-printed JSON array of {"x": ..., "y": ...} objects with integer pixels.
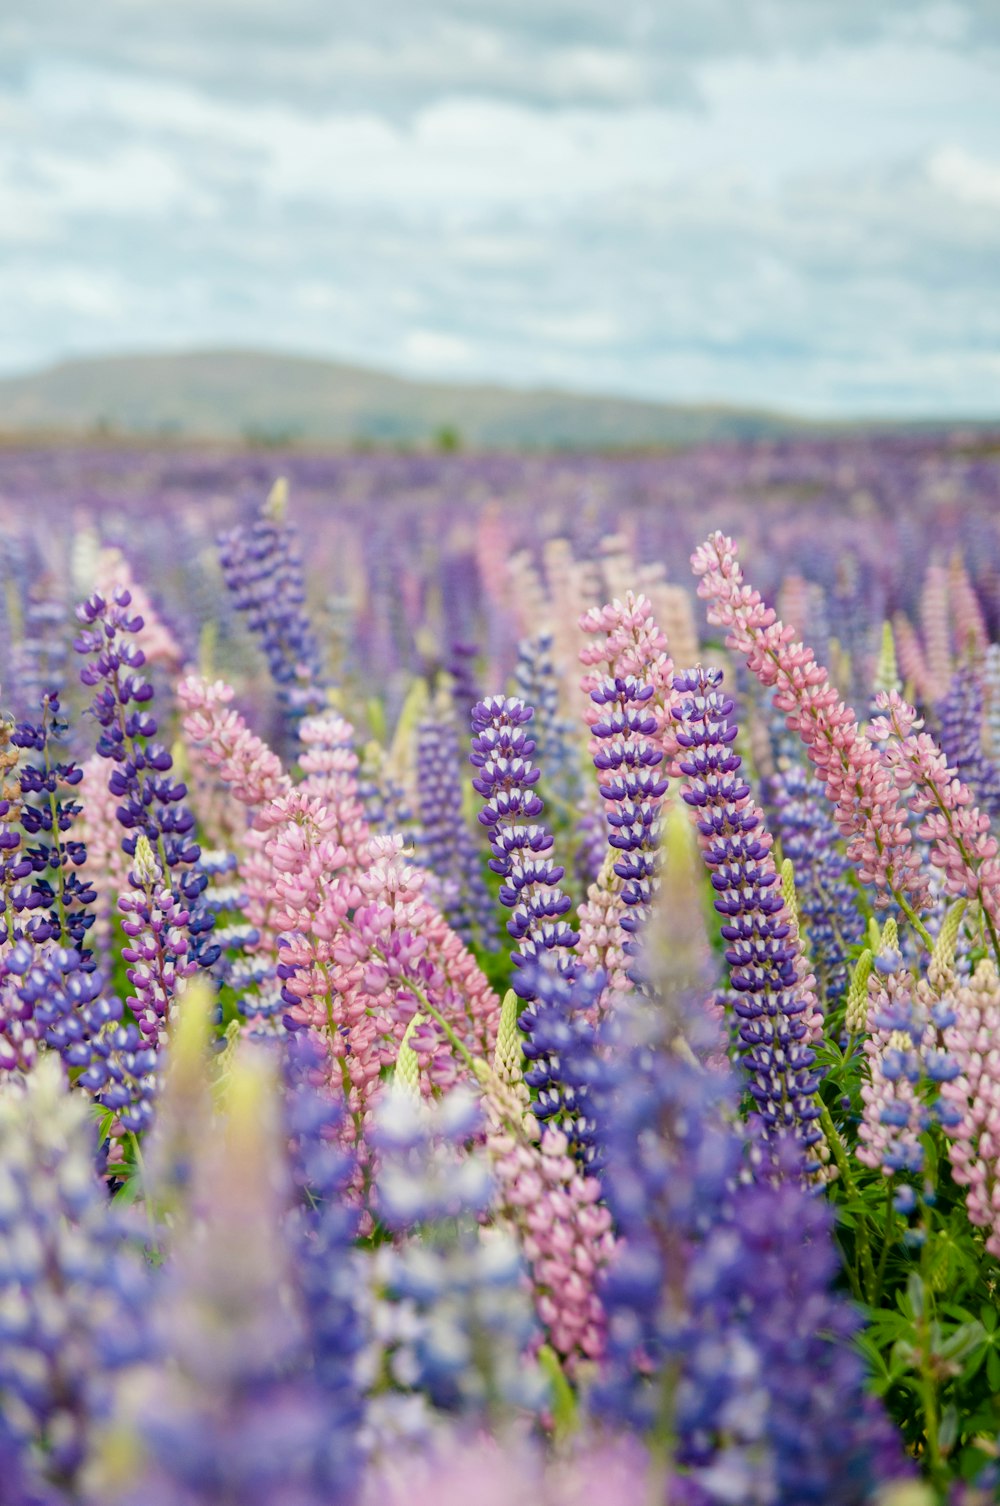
[
  {"x": 966, "y": 177},
  {"x": 394, "y": 56},
  {"x": 766, "y": 202}
]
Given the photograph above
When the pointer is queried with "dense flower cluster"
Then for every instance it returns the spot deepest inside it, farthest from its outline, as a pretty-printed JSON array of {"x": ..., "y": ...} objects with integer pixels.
[{"x": 311, "y": 1193}]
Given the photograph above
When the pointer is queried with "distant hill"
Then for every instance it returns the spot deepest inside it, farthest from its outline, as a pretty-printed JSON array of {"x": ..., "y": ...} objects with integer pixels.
[
  {"x": 231, "y": 394},
  {"x": 252, "y": 395}
]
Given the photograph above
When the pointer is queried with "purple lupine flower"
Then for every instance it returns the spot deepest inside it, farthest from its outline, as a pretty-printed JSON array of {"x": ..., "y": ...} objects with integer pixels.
[
  {"x": 502, "y": 749},
  {"x": 74, "y": 1297},
  {"x": 254, "y": 1398},
  {"x": 762, "y": 955},
  {"x": 464, "y": 690},
  {"x": 960, "y": 717},
  {"x": 827, "y": 900},
  {"x": 48, "y": 812},
  {"x": 38, "y": 659},
  {"x": 465, "y": 1320},
  {"x": 723, "y": 1333},
  {"x": 535, "y": 677},
  {"x": 151, "y": 801},
  {"x": 320, "y": 1231},
  {"x": 446, "y": 846},
  {"x": 157, "y": 946},
  {"x": 262, "y": 566},
  {"x": 560, "y": 1056},
  {"x": 628, "y": 764}
]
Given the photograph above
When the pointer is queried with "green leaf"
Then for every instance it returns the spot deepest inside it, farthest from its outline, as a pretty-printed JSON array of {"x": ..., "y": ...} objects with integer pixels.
[
  {"x": 564, "y": 1407},
  {"x": 993, "y": 1369}
]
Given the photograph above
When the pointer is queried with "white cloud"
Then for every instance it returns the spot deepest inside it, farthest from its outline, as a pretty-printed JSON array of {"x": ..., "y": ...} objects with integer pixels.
[
  {"x": 968, "y": 178},
  {"x": 764, "y": 202}
]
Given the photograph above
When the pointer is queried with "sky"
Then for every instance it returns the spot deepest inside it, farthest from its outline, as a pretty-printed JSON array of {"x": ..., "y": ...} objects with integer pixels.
[{"x": 790, "y": 204}]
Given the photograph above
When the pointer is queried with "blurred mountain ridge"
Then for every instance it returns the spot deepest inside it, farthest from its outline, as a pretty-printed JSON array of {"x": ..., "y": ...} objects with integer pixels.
[{"x": 258, "y": 396}]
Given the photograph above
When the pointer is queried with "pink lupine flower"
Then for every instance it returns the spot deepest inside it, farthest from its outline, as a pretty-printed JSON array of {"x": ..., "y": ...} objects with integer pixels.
[
  {"x": 563, "y": 1228},
  {"x": 962, "y": 847},
  {"x": 240, "y": 758},
  {"x": 893, "y": 1117},
  {"x": 868, "y": 809},
  {"x": 331, "y": 766},
  {"x": 974, "y": 1150},
  {"x": 934, "y": 622},
  {"x": 112, "y": 571},
  {"x": 627, "y": 641},
  {"x": 910, "y": 657},
  {"x": 107, "y": 863},
  {"x": 971, "y": 635},
  {"x": 600, "y": 931}
]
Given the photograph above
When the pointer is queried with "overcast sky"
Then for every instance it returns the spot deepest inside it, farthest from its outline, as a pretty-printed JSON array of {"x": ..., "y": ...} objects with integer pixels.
[{"x": 790, "y": 203}]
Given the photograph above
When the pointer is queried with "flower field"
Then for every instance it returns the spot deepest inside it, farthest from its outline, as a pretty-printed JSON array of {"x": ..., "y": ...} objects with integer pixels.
[{"x": 500, "y": 976}]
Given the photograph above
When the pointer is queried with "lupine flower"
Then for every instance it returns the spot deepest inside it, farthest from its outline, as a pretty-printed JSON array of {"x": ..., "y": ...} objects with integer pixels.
[
  {"x": 559, "y": 1055},
  {"x": 936, "y": 630},
  {"x": 501, "y": 750},
  {"x": 562, "y": 1227},
  {"x": 157, "y": 946},
  {"x": 908, "y": 1063},
  {"x": 962, "y": 847},
  {"x": 263, "y": 569},
  {"x": 464, "y": 691},
  {"x": 48, "y": 814},
  {"x": 73, "y": 1299},
  {"x": 447, "y": 846},
  {"x": 38, "y": 659},
  {"x": 627, "y": 642},
  {"x": 960, "y": 715},
  {"x": 973, "y": 1041},
  {"x": 628, "y": 760},
  {"x": 535, "y": 678},
  {"x": 237, "y": 1409},
  {"x": 463, "y": 1322},
  {"x": 827, "y": 901},
  {"x": 242, "y": 761},
  {"x": 151, "y": 804},
  {"x": 601, "y": 938},
  {"x": 867, "y": 806},
  {"x": 775, "y": 1003}
]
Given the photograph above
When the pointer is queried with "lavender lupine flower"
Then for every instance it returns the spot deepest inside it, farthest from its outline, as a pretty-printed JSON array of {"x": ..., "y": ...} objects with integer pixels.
[
  {"x": 668, "y": 1159},
  {"x": 960, "y": 717},
  {"x": 502, "y": 749},
  {"x": 773, "y": 997},
  {"x": 38, "y": 659},
  {"x": 387, "y": 808},
  {"x": 72, "y": 1297},
  {"x": 460, "y": 1320},
  {"x": 320, "y": 1231},
  {"x": 907, "y": 1062},
  {"x": 723, "y": 1333},
  {"x": 827, "y": 901},
  {"x": 57, "y": 887},
  {"x": 157, "y": 946},
  {"x": 822, "y": 1439},
  {"x": 535, "y": 677},
  {"x": 263, "y": 569},
  {"x": 628, "y": 764},
  {"x": 447, "y": 846},
  {"x": 464, "y": 690},
  {"x": 560, "y": 1056},
  {"x": 151, "y": 802},
  {"x": 242, "y": 1408}
]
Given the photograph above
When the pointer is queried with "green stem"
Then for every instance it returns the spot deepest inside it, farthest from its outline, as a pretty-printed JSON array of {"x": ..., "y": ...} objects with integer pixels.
[
  {"x": 928, "y": 1380},
  {"x": 887, "y": 1241},
  {"x": 839, "y": 1151}
]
